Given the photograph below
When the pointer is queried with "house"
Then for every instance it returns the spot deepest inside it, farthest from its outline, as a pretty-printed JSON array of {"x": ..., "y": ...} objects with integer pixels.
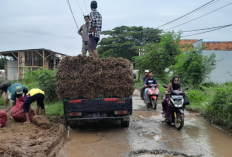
[
  {"x": 223, "y": 51},
  {"x": 17, "y": 61}
]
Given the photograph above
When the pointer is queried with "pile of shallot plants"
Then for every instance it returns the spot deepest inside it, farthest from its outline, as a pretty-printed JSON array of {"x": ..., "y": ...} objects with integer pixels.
[{"x": 88, "y": 77}]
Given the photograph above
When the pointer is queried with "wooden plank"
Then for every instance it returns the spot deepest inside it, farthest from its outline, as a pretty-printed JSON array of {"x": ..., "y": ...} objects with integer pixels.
[
  {"x": 18, "y": 68},
  {"x": 14, "y": 55},
  {"x": 49, "y": 55},
  {"x": 30, "y": 66},
  {"x": 43, "y": 58},
  {"x": 39, "y": 53}
]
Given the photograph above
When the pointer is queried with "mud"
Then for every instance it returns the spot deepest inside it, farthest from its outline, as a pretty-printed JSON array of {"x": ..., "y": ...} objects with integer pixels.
[
  {"x": 148, "y": 136},
  {"x": 24, "y": 140}
]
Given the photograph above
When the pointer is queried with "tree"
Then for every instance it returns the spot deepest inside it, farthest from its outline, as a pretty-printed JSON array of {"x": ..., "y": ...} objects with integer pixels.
[
  {"x": 193, "y": 67},
  {"x": 160, "y": 56},
  {"x": 123, "y": 41}
]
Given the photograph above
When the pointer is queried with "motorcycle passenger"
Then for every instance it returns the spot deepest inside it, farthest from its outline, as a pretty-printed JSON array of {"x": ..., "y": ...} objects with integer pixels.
[
  {"x": 172, "y": 86},
  {"x": 164, "y": 100},
  {"x": 148, "y": 81},
  {"x": 143, "y": 88}
]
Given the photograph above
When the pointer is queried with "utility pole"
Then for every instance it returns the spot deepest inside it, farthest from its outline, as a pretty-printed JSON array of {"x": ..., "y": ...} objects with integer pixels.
[{"x": 140, "y": 51}]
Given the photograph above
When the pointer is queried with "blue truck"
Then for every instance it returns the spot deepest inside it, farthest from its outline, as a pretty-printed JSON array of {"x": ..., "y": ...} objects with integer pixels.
[{"x": 98, "y": 109}]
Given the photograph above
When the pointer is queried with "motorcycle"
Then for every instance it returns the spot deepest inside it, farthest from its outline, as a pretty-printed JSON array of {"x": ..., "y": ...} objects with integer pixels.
[
  {"x": 152, "y": 94},
  {"x": 175, "y": 108}
]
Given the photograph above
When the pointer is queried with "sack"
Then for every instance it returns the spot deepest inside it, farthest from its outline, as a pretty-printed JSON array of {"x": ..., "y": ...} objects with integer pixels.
[
  {"x": 186, "y": 100},
  {"x": 17, "y": 111},
  {"x": 3, "y": 118}
]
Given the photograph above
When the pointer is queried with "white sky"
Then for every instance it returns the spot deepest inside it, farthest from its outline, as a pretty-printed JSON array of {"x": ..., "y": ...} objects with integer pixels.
[{"x": 30, "y": 24}]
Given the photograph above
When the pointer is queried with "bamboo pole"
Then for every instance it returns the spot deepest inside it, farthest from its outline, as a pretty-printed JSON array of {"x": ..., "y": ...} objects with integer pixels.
[
  {"x": 43, "y": 58},
  {"x": 18, "y": 68}
]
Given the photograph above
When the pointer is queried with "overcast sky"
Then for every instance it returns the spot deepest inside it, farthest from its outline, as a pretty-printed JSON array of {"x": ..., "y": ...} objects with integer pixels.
[{"x": 30, "y": 24}]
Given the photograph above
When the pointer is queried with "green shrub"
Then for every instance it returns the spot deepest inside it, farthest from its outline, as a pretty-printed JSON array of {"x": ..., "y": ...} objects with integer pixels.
[
  {"x": 43, "y": 79},
  {"x": 196, "y": 96},
  {"x": 54, "y": 109},
  {"x": 209, "y": 84},
  {"x": 220, "y": 110}
]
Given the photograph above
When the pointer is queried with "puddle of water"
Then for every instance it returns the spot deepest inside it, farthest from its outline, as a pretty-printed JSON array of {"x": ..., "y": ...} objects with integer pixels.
[
  {"x": 155, "y": 137},
  {"x": 104, "y": 139},
  {"x": 219, "y": 140},
  {"x": 140, "y": 115}
]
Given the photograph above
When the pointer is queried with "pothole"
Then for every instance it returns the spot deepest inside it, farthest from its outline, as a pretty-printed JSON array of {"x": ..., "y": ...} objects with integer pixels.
[{"x": 158, "y": 153}]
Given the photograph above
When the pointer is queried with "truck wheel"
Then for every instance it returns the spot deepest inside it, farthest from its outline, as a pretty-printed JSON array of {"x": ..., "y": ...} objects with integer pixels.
[
  {"x": 125, "y": 123},
  {"x": 73, "y": 125}
]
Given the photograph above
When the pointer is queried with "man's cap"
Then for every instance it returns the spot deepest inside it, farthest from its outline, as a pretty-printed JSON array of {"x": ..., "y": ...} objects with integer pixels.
[
  {"x": 19, "y": 90},
  {"x": 93, "y": 4},
  {"x": 146, "y": 71}
]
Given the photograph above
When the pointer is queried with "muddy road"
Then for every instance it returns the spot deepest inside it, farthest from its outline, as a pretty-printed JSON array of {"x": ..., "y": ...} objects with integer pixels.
[{"x": 147, "y": 136}]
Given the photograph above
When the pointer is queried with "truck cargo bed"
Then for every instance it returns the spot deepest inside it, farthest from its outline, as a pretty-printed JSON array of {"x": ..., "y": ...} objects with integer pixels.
[{"x": 105, "y": 108}]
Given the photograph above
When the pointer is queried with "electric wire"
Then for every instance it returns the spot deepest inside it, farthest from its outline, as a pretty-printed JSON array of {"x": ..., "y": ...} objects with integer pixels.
[
  {"x": 80, "y": 8},
  {"x": 211, "y": 4},
  {"x": 207, "y": 28},
  {"x": 72, "y": 13},
  {"x": 188, "y": 13},
  {"x": 86, "y": 7},
  {"x": 206, "y": 31},
  {"x": 200, "y": 16}
]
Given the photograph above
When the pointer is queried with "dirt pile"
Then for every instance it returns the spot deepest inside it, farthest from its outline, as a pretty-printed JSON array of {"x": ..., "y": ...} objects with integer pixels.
[
  {"x": 24, "y": 140},
  {"x": 41, "y": 121},
  {"x": 17, "y": 111},
  {"x": 89, "y": 77},
  {"x": 3, "y": 118}
]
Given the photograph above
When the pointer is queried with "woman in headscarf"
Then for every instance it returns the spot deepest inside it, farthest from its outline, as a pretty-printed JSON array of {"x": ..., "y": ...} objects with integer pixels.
[{"x": 174, "y": 85}]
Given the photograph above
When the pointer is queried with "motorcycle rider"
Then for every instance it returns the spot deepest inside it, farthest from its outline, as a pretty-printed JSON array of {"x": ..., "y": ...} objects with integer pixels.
[
  {"x": 143, "y": 88},
  {"x": 174, "y": 85},
  {"x": 148, "y": 81}
]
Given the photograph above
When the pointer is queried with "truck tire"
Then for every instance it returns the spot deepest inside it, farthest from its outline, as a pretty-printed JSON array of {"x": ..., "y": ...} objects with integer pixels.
[
  {"x": 125, "y": 123},
  {"x": 73, "y": 125}
]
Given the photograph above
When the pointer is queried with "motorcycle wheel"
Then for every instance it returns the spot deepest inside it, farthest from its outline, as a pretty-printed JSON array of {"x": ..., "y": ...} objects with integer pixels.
[
  {"x": 154, "y": 103},
  {"x": 179, "y": 121}
]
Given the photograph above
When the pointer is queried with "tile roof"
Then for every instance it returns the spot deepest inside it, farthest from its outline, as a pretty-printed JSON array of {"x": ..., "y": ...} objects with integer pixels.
[
  {"x": 227, "y": 45},
  {"x": 210, "y": 45}
]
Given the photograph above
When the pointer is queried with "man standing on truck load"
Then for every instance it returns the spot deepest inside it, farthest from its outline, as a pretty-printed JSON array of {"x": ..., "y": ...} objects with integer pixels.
[
  {"x": 94, "y": 29},
  {"x": 84, "y": 32},
  {"x": 143, "y": 88},
  {"x": 34, "y": 95},
  {"x": 15, "y": 91},
  {"x": 148, "y": 81},
  {"x": 3, "y": 89}
]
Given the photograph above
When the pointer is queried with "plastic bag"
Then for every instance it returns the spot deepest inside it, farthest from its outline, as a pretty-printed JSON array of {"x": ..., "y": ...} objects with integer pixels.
[
  {"x": 17, "y": 111},
  {"x": 3, "y": 118}
]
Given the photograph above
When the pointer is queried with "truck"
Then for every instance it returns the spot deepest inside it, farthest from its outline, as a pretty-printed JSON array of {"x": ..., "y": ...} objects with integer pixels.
[{"x": 98, "y": 109}]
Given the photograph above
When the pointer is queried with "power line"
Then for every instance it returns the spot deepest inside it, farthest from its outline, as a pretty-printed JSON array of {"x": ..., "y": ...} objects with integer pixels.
[
  {"x": 207, "y": 31},
  {"x": 80, "y": 8},
  {"x": 72, "y": 13},
  {"x": 200, "y": 16},
  {"x": 86, "y": 8},
  {"x": 188, "y": 13},
  {"x": 208, "y": 28}
]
